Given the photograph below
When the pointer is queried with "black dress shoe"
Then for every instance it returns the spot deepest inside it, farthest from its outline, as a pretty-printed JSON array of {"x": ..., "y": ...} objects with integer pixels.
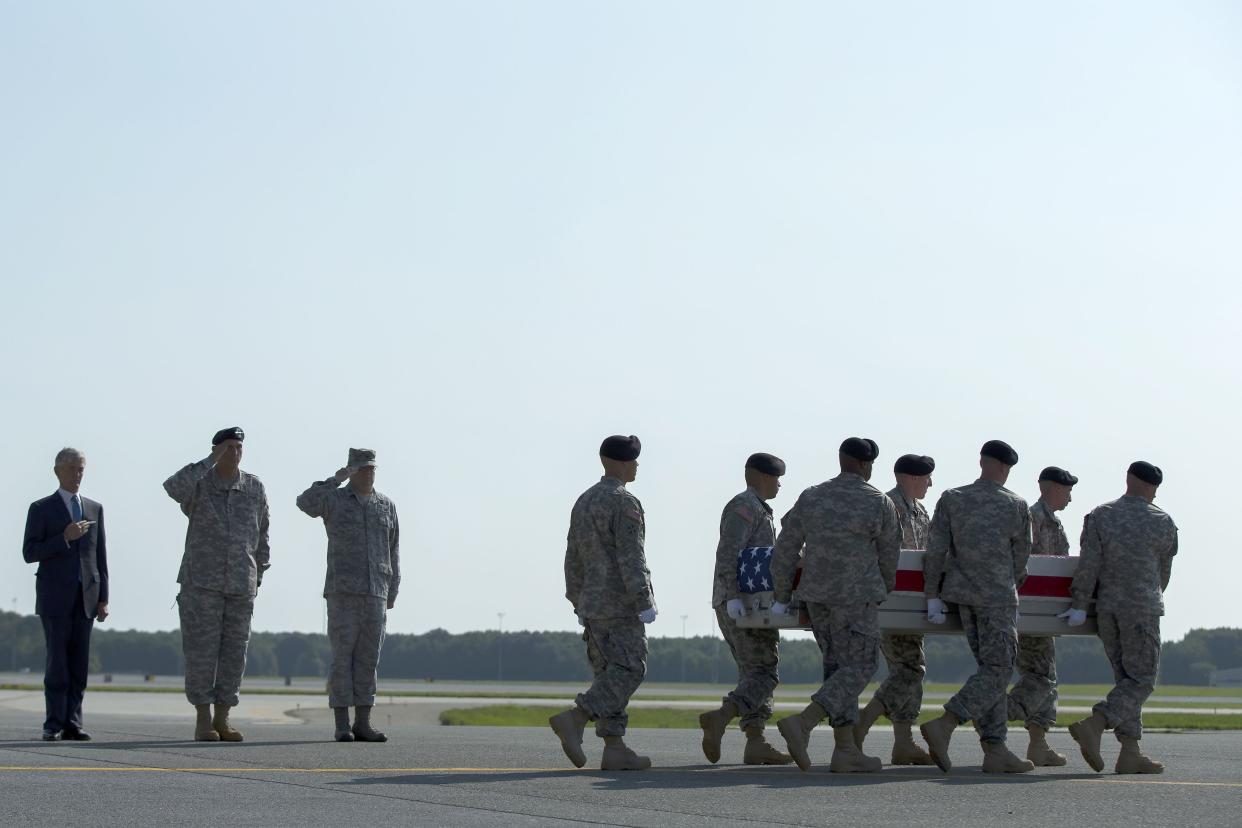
[
  {"x": 75, "y": 735},
  {"x": 51, "y": 735}
]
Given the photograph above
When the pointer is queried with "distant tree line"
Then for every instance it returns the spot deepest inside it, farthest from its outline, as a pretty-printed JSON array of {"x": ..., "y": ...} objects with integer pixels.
[{"x": 560, "y": 656}]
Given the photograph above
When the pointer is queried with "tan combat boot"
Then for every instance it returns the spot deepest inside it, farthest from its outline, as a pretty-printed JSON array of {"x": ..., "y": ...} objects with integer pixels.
[
  {"x": 568, "y": 727},
  {"x": 618, "y": 757},
  {"x": 938, "y": 732},
  {"x": 866, "y": 718},
  {"x": 363, "y": 731},
  {"x": 1039, "y": 751},
  {"x": 203, "y": 731},
  {"x": 999, "y": 759},
  {"x": 797, "y": 732},
  {"x": 1087, "y": 733},
  {"x": 1132, "y": 760},
  {"x": 847, "y": 758},
  {"x": 220, "y": 724},
  {"x": 906, "y": 751},
  {"x": 714, "y": 724},
  {"x": 759, "y": 752},
  {"x": 343, "y": 733}
]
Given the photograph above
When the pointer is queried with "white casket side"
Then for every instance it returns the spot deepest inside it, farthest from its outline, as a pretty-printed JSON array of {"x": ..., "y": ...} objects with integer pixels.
[{"x": 1043, "y": 596}]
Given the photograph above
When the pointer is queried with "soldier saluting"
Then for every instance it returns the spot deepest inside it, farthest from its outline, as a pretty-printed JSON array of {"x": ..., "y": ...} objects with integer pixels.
[{"x": 609, "y": 586}]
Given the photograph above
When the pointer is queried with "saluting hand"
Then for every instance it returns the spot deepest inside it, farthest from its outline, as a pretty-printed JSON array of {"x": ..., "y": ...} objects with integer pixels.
[{"x": 343, "y": 472}]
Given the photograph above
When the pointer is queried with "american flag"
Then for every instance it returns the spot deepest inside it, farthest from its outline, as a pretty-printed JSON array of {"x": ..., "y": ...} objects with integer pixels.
[{"x": 753, "y": 569}]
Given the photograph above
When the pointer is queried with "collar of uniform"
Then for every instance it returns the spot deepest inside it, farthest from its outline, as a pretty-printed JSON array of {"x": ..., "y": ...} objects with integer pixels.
[
  {"x": 985, "y": 482},
  {"x": 235, "y": 483},
  {"x": 909, "y": 502},
  {"x": 1049, "y": 512},
  {"x": 850, "y": 477},
  {"x": 349, "y": 487},
  {"x": 754, "y": 495},
  {"x": 612, "y": 481}
]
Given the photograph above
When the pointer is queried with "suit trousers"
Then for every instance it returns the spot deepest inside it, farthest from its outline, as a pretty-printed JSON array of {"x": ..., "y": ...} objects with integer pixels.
[{"x": 68, "y": 643}]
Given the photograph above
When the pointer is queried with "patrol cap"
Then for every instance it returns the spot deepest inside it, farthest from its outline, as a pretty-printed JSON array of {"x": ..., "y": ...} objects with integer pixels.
[
  {"x": 860, "y": 448},
  {"x": 621, "y": 448},
  {"x": 234, "y": 433},
  {"x": 1055, "y": 474},
  {"x": 766, "y": 463},
  {"x": 915, "y": 464},
  {"x": 999, "y": 450},
  {"x": 1146, "y": 472},
  {"x": 361, "y": 457}
]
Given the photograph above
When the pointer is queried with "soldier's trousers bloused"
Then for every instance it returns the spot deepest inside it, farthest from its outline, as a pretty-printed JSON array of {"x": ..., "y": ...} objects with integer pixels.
[
  {"x": 756, "y": 653},
  {"x": 849, "y": 635},
  {"x": 215, "y": 629},
  {"x": 356, "y": 633},
  {"x": 993, "y": 639},
  {"x": 901, "y": 692},
  {"x": 617, "y": 649},
  {"x": 1033, "y": 699},
  {"x": 1132, "y": 643}
]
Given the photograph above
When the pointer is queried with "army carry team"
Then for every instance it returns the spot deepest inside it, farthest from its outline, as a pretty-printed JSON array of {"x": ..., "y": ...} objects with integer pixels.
[{"x": 847, "y": 535}]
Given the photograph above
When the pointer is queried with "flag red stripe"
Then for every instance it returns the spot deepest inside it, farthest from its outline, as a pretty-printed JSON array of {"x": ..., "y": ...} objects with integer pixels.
[{"x": 1036, "y": 586}]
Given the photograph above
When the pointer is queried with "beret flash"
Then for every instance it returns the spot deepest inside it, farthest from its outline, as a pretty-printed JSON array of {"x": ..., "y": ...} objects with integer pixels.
[
  {"x": 860, "y": 448},
  {"x": 1146, "y": 472},
  {"x": 914, "y": 464},
  {"x": 617, "y": 447},
  {"x": 1057, "y": 475},
  {"x": 234, "y": 433},
  {"x": 766, "y": 463},
  {"x": 1000, "y": 450}
]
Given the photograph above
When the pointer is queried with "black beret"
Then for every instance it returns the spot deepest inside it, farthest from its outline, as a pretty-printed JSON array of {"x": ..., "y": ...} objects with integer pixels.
[
  {"x": 1000, "y": 450},
  {"x": 915, "y": 464},
  {"x": 766, "y": 463},
  {"x": 234, "y": 433},
  {"x": 1057, "y": 475},
  {"x": 860, "y": 448},
  {"x": 1147, "y": 472},
  {"x": 617, "y": 447}
]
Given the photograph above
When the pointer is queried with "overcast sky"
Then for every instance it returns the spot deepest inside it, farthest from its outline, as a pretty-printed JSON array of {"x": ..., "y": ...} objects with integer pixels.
[{"x": 479, "y": 237}]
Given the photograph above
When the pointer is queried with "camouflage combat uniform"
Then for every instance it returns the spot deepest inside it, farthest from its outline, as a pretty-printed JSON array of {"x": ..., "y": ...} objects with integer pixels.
[
  {"x": 846, "y": 532},
  {"x": 608, "y": 583},
  {"x": 979, "y": 544},
  {"x": 901, "y": 692},
  {"x": 1033, "y": 699},
  {"x": 746, "y": 522},
  {"x": 1127, "y": 552},
  {"x": 226, "y": 554},
  {"x": 364, "y": 571}
]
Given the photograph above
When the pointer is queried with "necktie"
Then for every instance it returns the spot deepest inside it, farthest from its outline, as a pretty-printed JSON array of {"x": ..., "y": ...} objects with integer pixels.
[{"x": 75, "y": 509}]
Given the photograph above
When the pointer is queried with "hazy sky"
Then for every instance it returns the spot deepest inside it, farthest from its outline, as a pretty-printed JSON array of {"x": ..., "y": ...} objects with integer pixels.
[{"x": 479, "y": 237}]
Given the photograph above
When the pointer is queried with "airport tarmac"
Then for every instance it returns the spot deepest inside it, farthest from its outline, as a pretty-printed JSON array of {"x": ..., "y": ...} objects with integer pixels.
[{"x": 142, "y": 770}]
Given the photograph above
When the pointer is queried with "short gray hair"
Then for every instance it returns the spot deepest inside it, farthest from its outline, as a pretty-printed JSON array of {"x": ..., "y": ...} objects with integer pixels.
[{"x": 68, "y": 455}]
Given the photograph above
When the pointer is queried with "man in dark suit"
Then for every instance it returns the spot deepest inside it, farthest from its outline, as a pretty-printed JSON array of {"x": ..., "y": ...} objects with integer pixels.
[{"x": 65, "y": 537}]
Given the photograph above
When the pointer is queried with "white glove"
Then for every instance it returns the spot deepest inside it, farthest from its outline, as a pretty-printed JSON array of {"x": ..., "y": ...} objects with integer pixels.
[
  {"x": 1074, "y": 617},
  {"x": 735, "y": 608},
  {"x": 648, "y": 615},
  {"x": 937, "y": 612},
  {"x": 780, "y": 609},
  {"x": 1017, "y": 616}
]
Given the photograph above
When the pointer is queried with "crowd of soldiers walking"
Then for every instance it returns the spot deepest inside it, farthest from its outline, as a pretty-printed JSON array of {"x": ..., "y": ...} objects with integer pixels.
[{"x": 846, "y": 535}]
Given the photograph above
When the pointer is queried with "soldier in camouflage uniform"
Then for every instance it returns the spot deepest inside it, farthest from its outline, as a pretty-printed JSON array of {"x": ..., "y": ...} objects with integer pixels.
[
  {"x": 976, "y": 557},
  {"x": 746, "y": 522},
  {"x": 847, "y": 535},
  {"x": 364, "y": 571},
  {"x": 900, "y": 696},
  {"x": 1127, "y": 558},
  {"x": 1033, "y": 699},
  {"x": 226, "y": 554},
  {"x": 609, "y": 585}
]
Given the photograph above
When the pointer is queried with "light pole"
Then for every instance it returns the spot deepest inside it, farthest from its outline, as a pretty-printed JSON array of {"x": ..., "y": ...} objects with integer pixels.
[
  {"x": 500, "y": 646},
  {"x": 683, "y": 648}
]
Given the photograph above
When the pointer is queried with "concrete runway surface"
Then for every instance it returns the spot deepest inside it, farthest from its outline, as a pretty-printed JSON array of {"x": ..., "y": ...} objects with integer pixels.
[{"x": 142, "y": 769}]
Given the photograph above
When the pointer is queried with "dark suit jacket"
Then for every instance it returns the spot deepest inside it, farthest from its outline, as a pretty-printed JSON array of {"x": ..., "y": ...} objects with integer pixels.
[{"x": 60, "y": 561}]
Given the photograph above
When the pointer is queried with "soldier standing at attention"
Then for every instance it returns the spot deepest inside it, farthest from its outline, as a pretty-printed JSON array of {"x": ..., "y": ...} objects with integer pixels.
[
  {"x": 746, "y": 522},
  {"x": 980, "y": 540},
  {"x": 900, "y": 696},
  {"x": 609, "y": 585},
  {"x": 1033, "y": 699},
  {"x": 1127, "y": 553},
  {"x": 226, "y": 554},
  {"x": 846, "y": 533},
  {"x": 364, "y": 571}
]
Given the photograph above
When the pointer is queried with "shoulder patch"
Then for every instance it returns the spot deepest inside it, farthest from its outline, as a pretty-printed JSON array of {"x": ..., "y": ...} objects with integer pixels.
[{"x": 744, "y": 513}]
